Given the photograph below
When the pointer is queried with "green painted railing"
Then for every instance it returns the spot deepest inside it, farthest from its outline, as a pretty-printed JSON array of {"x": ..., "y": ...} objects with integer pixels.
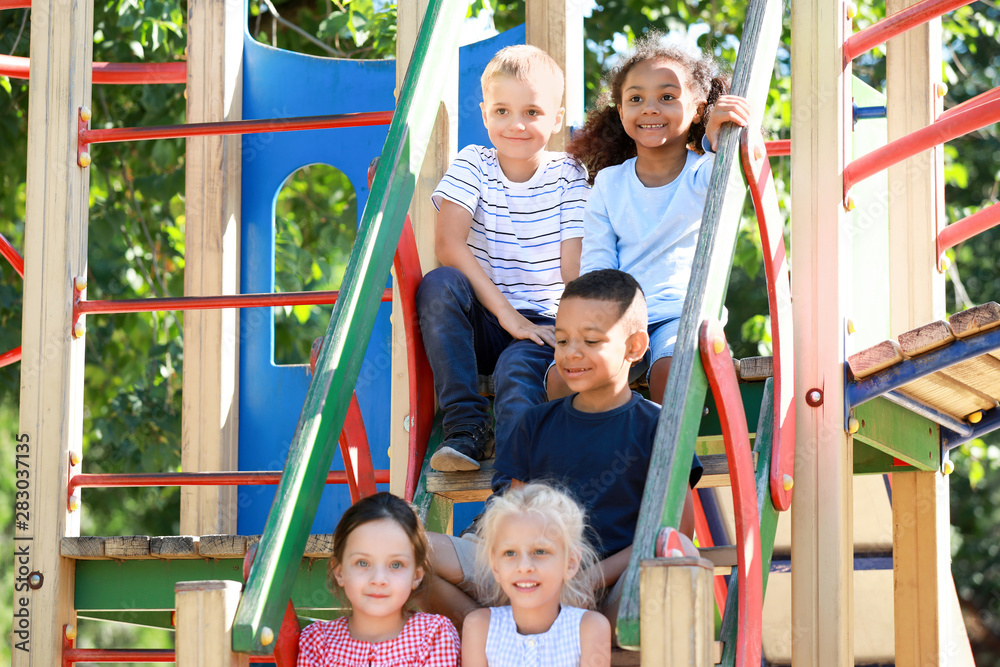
[
  {"x": 666, "y": 485},
  {"x": 315, "y": 441}
]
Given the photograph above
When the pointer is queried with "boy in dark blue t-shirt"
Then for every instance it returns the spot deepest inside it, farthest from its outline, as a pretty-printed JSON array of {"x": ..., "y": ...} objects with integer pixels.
[{"x": 597, "y": 442}]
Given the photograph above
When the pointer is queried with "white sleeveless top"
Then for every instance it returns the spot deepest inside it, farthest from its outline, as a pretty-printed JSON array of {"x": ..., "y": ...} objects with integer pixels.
[{"x": 557, "y": 647}]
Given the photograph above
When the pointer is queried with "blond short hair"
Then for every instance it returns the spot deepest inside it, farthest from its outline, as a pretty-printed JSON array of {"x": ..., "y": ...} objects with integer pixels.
[
  {"x": 525, "y": 63},
  {"x": 560, "y": 513}
]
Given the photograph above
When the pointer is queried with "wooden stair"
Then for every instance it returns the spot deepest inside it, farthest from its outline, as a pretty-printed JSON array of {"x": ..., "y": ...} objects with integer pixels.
[{"x": 948, "y": 372}]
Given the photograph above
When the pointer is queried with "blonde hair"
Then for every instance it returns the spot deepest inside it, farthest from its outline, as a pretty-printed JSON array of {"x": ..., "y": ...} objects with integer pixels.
[
  {"x": 559, "y": 512},
  {"x": 525, "y": 63}
]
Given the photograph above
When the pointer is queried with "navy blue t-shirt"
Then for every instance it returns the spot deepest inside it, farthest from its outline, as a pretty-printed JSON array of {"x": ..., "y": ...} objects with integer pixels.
[{"x": 600, "y": 457}]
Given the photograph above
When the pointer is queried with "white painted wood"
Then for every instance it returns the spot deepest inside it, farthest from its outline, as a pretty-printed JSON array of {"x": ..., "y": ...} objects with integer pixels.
[
  {"x": 556, "y": 27},
  {"x": 440, "y": 151},
  {"x": 822, "y": 594},
  {"x": 209, "y": 419},
  {"x": 205, "y": 613},
  {"x": 925, "y": 633},
  {"x": 51, "y": 402}
]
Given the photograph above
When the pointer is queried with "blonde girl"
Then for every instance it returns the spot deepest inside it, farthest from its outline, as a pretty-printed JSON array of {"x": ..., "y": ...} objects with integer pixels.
[{"x": 536, "y": 555}]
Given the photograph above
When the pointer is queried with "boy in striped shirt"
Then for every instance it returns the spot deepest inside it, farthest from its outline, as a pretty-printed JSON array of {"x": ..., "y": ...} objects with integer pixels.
[{"x": 508, "y": 236}]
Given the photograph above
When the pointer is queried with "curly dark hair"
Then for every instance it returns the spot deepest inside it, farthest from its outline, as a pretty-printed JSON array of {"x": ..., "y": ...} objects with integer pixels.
[{"x": 602, "y": 141}]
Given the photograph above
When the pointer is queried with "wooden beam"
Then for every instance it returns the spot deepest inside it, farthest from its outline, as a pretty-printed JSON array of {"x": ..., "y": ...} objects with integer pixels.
[
  {"x": 556, "y": 27},
  {"x": 209, "y": 433},
  {"x": 678, "y": 612},
  {"x": 920, "y": 507},
  {"x": 822, "y": 591},
  {"x": 52, "y": 360},
  {"x": 205, "y": 613},
  {"x": 440, "y": 151}
]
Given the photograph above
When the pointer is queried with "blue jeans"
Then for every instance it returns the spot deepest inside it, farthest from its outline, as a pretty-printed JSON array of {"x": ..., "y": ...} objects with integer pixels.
[{"x": 463, "y": 340}]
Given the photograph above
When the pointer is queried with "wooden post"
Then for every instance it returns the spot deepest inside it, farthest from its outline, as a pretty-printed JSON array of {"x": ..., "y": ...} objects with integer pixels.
[
  {"x": 677, "y": 619},
  {"x": 52, "y": 360},
  {"x": 205, "y": 613},
  {"x": 212, "y": 246},
  {"x": 556, "y": 27},
  {"x": 822, "y": 540},
  {"x": 926, "y": 632},
  {"x": 423, "y": 215}
]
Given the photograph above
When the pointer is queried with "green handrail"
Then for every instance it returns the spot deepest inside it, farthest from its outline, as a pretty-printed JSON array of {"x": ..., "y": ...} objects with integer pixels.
[
  {"x": 315, "y": 441},
  {"x": 666, "y": 485}
]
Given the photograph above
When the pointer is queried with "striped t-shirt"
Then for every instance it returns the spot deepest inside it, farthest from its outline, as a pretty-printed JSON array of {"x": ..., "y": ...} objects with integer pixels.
[{"x": 517, "y": 228}]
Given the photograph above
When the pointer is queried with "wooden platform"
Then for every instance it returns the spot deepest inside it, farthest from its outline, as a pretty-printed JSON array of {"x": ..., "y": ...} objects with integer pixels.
[
  {"x": 176, "y": 547},
  {"x": 961, "y": 386}
]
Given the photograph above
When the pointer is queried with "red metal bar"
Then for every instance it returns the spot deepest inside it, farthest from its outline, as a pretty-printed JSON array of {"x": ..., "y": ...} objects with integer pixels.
[
  {"x": 757, "y": 168},
  {"x": 778, "y": 147},
  {"x": 14, "y": 4},
  {"x": 82, "y": 307},
  {"x": 718, "y": 364},
  {"x": 356, "y": 454},
  {"x": 900, "y": 22},
  {"x": 111, "y": 656},
  {"x": 705, "y": 540},
  {"x": 231, "y": 478},
  {"x": 967, "y": 227},
  {"x": 11, "y": 254},
  {"x": 18, "y": 67},
  {"x": 971, "y": 103},
  {"x": 88, "y": 137},
  {"x": 10, "y": 357},
  {"x": 940, "y": 131}
]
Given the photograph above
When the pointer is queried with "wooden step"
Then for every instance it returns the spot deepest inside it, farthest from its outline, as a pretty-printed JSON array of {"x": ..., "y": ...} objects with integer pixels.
[
  {"x": 176, "y": 547},
  {"x": 474, "y": 486}
]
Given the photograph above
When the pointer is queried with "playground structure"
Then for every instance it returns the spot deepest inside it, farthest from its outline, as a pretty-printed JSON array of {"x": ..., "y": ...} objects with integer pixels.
[{"x": 818, "y": 426}]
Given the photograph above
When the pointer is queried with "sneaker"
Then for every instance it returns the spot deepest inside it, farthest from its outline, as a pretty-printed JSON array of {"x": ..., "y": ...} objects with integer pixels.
[{"x": 464, "y": 449}]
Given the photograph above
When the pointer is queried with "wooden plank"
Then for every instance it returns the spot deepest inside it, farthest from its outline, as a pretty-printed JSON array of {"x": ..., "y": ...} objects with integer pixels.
[
  {"x": 821, "y": 628},
  {"x": 82, "y": 548},
  {"x": 319, "y": 546},
  {"x": 755, "y": 369},
  {"x": 678, "y": 612},
  {"x": 209, "y": 417},
  {"x": 51, "y": 405},
  {"x": 127, "y": 547},
  {"x": 440, "y": 152},
  {"x": 949, "y": 395},
  {"x": 875, "y": 358},
  {"x": 975, "y": 319},
  {"x": 205, "y": 614},
  {"x": 899, "y": 433},
  {"x": 723, "y": 558},
  {"x": 925, "y": 338},
  {"x": 921, "y": 532},
  {"x": 174, "y": 547},
  {"x": 556, "y": 27},
  {"x": 462, "y": 487},
  {"x": 222, "y": 546}
]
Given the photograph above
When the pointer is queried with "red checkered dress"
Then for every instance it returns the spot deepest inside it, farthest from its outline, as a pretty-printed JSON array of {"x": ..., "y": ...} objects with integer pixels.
[{"x": 427, "y": 640}]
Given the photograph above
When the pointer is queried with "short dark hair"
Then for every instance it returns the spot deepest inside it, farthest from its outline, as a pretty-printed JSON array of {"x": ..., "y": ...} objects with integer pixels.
[
  {"x": 382, "y": 505},
  {"x": 617, "y": 287}
]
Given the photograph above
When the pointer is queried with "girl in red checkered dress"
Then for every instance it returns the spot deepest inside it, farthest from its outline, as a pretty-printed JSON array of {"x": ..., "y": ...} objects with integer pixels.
[{"x": 379, "y": 567}]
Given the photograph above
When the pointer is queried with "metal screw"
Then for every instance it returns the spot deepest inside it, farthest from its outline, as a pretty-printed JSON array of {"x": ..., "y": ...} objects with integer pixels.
[
  {"x": 949, "y": 467},
  {"x": 70, "y": 632},
  {"x": 84, "y": 159},
  {"x": 406, "y": 423},
  {"x": 814, "y": 397},
  {"x": 85, "y": 114},
  {"x": 35, "y": 580},
  {"x": 787, "y": 482}
]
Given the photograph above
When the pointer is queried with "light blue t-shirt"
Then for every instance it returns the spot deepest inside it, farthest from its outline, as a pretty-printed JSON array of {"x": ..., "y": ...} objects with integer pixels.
[{"x": 650, "y": 233}]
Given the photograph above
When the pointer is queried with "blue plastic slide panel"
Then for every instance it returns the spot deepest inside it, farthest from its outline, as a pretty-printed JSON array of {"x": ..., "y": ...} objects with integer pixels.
[{"x": 281, "y": 84}]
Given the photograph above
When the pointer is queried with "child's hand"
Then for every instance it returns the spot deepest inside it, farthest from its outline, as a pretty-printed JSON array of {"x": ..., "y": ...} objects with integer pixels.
[
  {"x": 521, "y": 328},
  {"x": 729, "y": 109}
]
